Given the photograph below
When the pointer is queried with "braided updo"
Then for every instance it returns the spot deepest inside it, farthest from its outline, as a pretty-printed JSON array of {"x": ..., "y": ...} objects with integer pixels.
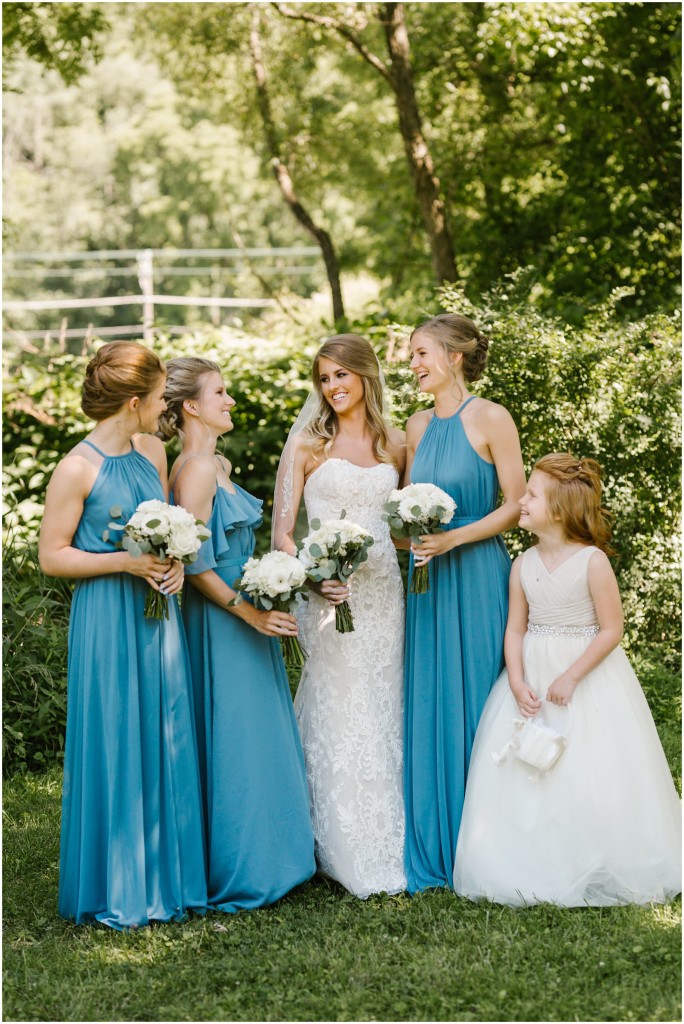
[
  {"x": 119, "y": 371},
  {"x": 457, "y": 333},
  {"x": 183, "y": 383},
  {"x": 574, "y": 498}
]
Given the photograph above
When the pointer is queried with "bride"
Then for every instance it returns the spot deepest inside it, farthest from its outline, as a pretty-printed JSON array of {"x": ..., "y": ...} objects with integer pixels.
[{"x": 341, "y": 454}]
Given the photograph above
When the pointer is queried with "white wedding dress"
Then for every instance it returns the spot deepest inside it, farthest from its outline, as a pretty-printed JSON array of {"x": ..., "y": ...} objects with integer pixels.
[{"x": 349, "y": 704}]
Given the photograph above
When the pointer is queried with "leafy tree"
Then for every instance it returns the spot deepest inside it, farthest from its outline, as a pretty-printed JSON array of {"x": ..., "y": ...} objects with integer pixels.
[{"x": 62, "y": 36}]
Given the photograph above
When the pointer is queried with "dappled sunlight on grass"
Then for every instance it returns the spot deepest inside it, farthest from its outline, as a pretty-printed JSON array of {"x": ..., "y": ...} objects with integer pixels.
[{"x": 321, "y": 954}]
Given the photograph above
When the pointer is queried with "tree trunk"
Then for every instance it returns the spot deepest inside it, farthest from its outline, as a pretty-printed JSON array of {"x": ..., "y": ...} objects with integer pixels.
[
  {"x": 425, "y": 180},
  {"x": 282, "y": 175}
]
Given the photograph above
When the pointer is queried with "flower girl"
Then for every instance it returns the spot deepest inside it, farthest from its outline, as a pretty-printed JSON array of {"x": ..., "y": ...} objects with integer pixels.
[{"x": 600, "y": 825}]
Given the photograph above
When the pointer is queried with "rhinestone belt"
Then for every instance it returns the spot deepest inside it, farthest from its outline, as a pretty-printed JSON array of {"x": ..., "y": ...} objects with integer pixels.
[{"x": 537, "y": 630}]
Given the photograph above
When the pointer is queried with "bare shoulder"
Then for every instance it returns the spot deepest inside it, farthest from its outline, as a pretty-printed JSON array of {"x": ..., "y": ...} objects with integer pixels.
[
  {"x": 493, "y": 414},
  {"x": 151, "y": 447},
  {"x": 599, "y": 565},
  {"x": 75, "y": 468},
  {"x": 200, "y": 470},
  {"x": 517, "y": 565},
  {"x": 416, "y": 425}
]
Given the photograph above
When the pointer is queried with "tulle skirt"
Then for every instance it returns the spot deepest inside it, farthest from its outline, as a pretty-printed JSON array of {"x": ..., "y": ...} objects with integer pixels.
[{"x": 603, "y": 826}]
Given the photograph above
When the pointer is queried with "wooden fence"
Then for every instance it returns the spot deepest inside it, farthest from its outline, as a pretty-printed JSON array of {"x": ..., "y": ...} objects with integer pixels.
[{"x": 149, "y": 267}]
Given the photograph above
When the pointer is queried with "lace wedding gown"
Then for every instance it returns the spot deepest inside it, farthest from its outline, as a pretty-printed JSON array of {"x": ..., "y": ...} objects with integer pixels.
[{"x": 349, "y": 704}]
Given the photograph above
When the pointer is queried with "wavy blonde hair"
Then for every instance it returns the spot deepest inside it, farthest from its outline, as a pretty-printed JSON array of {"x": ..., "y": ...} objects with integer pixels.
[
  {"x": 355, "y": 354},
  {"x": 574, "y": 497}
]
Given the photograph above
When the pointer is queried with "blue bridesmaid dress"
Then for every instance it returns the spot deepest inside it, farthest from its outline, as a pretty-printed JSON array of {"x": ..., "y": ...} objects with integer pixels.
[
  {"x": 256, "y": 803},
  {"x": 132, "y": 847},
  {"x": 454, "y": 654}
]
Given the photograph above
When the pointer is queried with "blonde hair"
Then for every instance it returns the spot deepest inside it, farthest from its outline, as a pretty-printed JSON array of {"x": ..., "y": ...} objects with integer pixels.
[
  {"x": 119, "y": 371},
  {"x": 355, "y": 354},
  {"x": 457, "y": 333},
  {"x": 183, "y": 383},
  {"x": 574, "y": 497}
]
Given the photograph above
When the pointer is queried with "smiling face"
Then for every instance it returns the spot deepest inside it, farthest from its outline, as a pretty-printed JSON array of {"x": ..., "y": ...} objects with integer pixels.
[
  {"x": 214, "y": 403},
  {"x": 429, "y": 362},
  {"x": 534, "y": 508},
  {"x": 341, "y": 389},
  {"x": 152, "y": 406}
]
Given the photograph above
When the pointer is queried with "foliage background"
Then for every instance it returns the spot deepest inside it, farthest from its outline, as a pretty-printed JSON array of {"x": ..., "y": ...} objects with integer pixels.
[
  {"x": 554, "y": 130},
  {"x": 614, "y": 388}
]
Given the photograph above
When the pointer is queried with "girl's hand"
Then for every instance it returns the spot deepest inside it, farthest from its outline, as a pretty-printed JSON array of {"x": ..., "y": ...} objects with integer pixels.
[
  {"x": 333, "y": 591},
  {"x": 151, "y": 569},
  {"x": 273, "y": 623},
  {"x": 432, "y": 544},
  {"x": 526, "y": 699},
  {"x": 561, "y": 690}
]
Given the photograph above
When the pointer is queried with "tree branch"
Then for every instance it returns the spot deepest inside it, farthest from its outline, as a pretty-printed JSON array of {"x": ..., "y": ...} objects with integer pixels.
[{"x": 341, "y": 29}]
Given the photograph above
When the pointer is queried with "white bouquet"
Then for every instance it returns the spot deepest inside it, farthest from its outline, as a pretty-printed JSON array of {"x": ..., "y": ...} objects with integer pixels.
[
  {"x": 334, "y": 550},
  {"x": 167, "y": 531},
  {"x": 273, "y": 582},
  {"x": 414, "y": 510}
]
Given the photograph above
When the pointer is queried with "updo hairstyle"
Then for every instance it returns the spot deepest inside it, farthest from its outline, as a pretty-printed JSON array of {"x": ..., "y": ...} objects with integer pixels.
[
  {"x": 573, "y": 495},
  {"x": 457, "y": 333},
  {"x": 119, "y": 371},
  {"x": 183, "y": 383}
]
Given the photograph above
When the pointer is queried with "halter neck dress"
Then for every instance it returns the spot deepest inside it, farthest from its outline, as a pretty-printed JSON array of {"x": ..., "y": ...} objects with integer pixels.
[
  {"x": 454, "y": 653},
  {"x": 256, "y": 805},
  {"x": 132, "y": 847}
]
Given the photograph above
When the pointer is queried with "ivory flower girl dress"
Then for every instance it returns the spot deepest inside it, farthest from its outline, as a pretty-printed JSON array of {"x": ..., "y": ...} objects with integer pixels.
[{"x": 604, "y": 825}]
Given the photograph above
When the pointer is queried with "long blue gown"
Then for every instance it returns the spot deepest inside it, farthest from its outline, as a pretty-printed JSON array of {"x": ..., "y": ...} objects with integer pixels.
[
  {"x": 132, "y": 845},
  {"x": 256, "y": 803},
  {"x": 454, "y": 654}
]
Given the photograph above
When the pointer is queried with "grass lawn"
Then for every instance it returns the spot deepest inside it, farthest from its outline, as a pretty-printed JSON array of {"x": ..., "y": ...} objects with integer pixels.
[{"x": 322, "y": 955}]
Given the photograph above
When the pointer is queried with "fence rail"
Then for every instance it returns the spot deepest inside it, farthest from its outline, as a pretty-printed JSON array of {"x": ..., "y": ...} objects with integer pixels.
[{"x": 148, "y": 267}]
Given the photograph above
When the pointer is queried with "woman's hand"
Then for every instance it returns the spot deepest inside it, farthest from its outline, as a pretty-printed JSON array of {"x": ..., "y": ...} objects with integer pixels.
[
  {"x": 333, "y": 591},
  {"x": 271, "y": 623},
  {"x": 526, "y": 699},
  {"x": 432, "y": 544},
  {"x": 561, "y": 690},
  {"x": 150, "y": 568}
]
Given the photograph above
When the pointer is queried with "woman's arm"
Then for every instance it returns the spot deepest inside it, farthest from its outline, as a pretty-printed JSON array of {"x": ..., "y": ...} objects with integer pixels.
[
  {"x": 67, "y": 491},
  {"x": 416, "y": 426},
  {"x": 516, "y": 628},
  {"x": 195, "y": 491},
  {"x": 503, "y": 442},
  {"x": 606, "y": 597}
]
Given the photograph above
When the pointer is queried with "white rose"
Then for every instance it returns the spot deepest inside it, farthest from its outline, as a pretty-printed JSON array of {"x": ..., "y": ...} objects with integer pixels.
[{"x": 183, "y": 540}]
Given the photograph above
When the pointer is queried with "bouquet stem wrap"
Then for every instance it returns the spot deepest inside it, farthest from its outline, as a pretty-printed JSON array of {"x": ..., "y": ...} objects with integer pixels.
[
  {"x": 156, "y": 605},
  {"x": 344, "y": 620},
  {"x": 420, "y": 579}
]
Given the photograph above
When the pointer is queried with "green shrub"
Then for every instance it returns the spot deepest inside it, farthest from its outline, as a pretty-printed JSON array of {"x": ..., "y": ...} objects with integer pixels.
[
  {"x": 607, "y": 389},
  {"x": 36, "y": 614}
]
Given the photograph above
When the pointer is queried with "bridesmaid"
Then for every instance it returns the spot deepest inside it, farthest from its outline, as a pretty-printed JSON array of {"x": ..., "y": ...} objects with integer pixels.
[
  {"x": 454, "y": 634},
  {"x": 256, "y": 804},
  {"x": 132, "y": 839}
]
